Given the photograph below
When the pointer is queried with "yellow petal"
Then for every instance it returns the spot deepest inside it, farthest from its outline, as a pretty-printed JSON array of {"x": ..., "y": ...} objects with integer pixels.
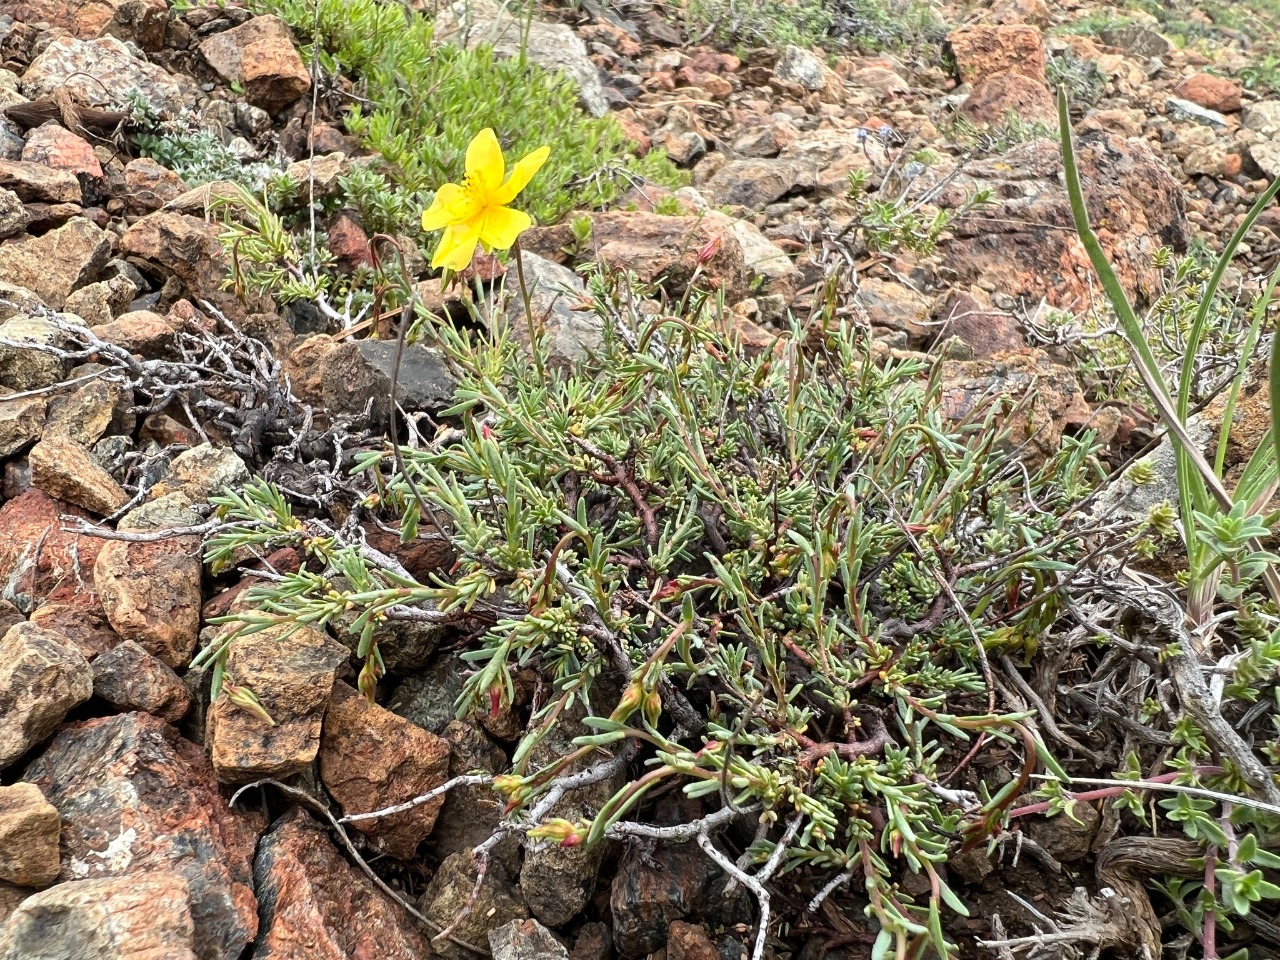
[
  {"x": 502, "y": 226},
  {"x": 484, "y": 161},
  {"x": 457, "y": 246},
  {"x": 521, "y": 174},
  {"x": 452, "y": 204}
]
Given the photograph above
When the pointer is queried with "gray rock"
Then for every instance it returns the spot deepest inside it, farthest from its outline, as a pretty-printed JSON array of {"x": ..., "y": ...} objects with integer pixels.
[
  {"x": 1136, "y": 40},
  {"x": 56, "y": 263},
  {"x": 41, "y": 678},
  {"x": 1185, "y": 109},
  {"x": 13, "y": 214},
  {"x": 1267, "y": 156},
  {"x": 428, "y": 697},
  {"x": 450, "y": 889},
  {"x": 1262, "y": 117},
  {"x": 202, "y": 472},
  {"x": 525, "y": 940},
  {"x": 424, "y": 383},
  {"x": 757, "y": 181},
  {"x": 571, "y": 334},
  {"x": 21, "y": 422},
  {"x": 550, "y": 45},
  {"x": 798, "y": 65},
  {"x": 100, "y": 70},
  {"x": 29, "y": 369}
]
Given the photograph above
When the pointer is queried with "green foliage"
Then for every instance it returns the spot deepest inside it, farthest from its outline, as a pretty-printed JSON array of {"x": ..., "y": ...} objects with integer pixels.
[
  {"x": 891, "y": 218},
  {"x": 997, "y": 138},
  {"x": 774, "y": 577},
  {"x": 1083, "y": 79},
  {"x": 188, "y": 149},
  {"x": 770, "y": 23},
  {"x": 886, "y": 24},
  {"x": 422, "y": 102}
]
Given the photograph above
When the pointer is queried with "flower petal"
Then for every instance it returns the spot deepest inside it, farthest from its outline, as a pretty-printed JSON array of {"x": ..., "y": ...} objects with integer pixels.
[
  {"x": 521, "y": 174},
  {"x": 502, "y": 226},
  {"x": 457, "y": 247},
  {"x": 484, "y": 161},
  {"x": 452, "y": 204}
]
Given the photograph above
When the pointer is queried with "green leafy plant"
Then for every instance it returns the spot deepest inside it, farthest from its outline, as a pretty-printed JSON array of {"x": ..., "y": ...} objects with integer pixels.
[
  {"x": 1231, "y": 583},
  {"x": 421, "y": 102},
  {"x": 771, "y": 581}
]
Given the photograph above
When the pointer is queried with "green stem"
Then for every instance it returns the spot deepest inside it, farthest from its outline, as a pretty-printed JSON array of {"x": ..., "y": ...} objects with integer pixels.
[{"x": 534, "y": 347}]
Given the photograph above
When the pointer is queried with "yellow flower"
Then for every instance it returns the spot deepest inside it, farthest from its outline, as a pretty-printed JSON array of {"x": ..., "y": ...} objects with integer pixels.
[{"x": 476, "y": 210}]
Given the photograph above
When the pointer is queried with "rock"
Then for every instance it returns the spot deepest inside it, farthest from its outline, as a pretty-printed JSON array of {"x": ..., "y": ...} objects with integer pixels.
[
  {"x": 274, "y": 74},
  {"x": 37, "y": 182},
  {"x": 10, "y": 896},
  {"x": 831, "y": 155},
  {"x": 200, "y": 473},
  {"x": 326, "y": 170},
  {"x": 689, "y": 941},
  {"x": 142, "y": 332},
  {"x": 890, "y": 305},
  {"x": 41, "y": 678},
  {"x": 427, "y": 697},
  {"x": 38, "y": 558},
  {"x": 59, "y": 149},
  {"x": 22, "y": 369},
  {"x": 53, "y": 265},
  {"x": 370, "y": 759},
  {"x": 335, "y": 377},
  {"x": 450, "y": 889},
  {"x": 292, "y": 677},
  {"x": 82, "y": 625},
  {"x": 681, "y": 137},
  {"x": 13, "y": 214},
  {"x": 1267, "y": 157},
  {"x": 225, "y": 51},
  {"x": 1047, "y": 396},
  {"x": 1136, "y": 40},
  {"x": 82, "y": 18},
  {"x": 982, "y": 51},
  {"x": 129, "y": 678},
  {"x": 95, "y": 70},
  {"x": 1135, "y": 206},
  {"x": 99, "y": 303},
  {"x": 800, "y": 66},
  {"x": 1185, "y": 109},
  {"x": 557, "y": 882},
  {"x": 29, "y": 827},
  {"x": 994, "y": 98},
  {"x": 315, "y": 904},
  {"x": 677, "y": 882},
  {"x": 85, "y": 412},
  {"x": 757, "y": 182},
  {"x": 983, "y": 330},
  {"x": 64, "y": 469},
  {"x": 471, "y": 814},
  {"x": 1262, "y": 117},
  {"x": 21, "y": 422},
  {"x": 554, "y": 293},
  {"x": 665, "y": 250},
  {"x": 136, "y": 799},
  {"x": 525, "y": 940},
  {"x": 553, "y": 46},
  {"x": 1211, "y": 92},
  {"x": 425, "y": 381},
  {"x": 594, "y": 942},
  {"x": 176, "y": 245},
  {"x": 150, "y": 590},
  {"x": 149, "y": 186},
  {"x": 144, "y": 917},
  {"x": 1035, "y": 12},
  {"x": 760, "y": 256}
]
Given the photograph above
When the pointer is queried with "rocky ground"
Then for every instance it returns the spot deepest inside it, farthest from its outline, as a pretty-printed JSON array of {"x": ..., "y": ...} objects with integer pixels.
[{"x": 135, "y": 385}]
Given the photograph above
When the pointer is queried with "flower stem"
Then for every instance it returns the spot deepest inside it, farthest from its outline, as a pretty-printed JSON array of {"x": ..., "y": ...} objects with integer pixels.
[{"x": 528, "y": 311}]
